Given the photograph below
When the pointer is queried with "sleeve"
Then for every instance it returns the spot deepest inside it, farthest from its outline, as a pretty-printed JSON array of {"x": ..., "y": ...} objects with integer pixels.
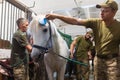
[
  {"x": 22, "y": 40},
  {"x": 78, "y": 40},
  {"x": 91, "y": 23},
  {"x": 91, "y": 45}
]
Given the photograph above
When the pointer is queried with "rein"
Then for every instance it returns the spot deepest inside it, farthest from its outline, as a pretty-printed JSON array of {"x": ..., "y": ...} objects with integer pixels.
[{"x": 75, "y": 61}]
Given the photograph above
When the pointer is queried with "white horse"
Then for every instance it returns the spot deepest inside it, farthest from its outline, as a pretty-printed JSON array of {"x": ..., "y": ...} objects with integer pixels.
[{"x": 47, "y": 37}]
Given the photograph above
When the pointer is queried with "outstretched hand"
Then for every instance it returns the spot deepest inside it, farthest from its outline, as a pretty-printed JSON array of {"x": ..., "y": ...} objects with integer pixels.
[{"x": 51, "y": 16}]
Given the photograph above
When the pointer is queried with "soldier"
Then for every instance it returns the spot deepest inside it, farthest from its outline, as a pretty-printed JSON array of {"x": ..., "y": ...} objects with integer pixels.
[
  {"x": 82, "y": 46},
  {"x": 20, "y": 50},
  {"x": 107, "y": 39}
]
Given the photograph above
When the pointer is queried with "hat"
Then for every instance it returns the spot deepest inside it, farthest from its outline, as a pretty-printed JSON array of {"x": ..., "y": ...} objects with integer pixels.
[{"x": 109, "y": 3}]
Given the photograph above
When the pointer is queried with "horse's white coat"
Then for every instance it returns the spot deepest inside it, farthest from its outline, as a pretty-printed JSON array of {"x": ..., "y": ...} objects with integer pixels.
[{"x": 53, "y": 62}]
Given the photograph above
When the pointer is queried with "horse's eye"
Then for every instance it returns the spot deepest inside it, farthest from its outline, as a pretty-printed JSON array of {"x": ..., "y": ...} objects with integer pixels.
[{"x": 45, "y": 30}]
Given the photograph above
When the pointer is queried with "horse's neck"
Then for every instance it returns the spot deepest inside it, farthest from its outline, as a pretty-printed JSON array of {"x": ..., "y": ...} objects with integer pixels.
[{"x": 56, "y": 38}]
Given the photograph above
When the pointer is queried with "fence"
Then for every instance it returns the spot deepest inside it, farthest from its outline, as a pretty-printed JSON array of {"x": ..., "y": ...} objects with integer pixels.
[{"x": 10, "y": 11}]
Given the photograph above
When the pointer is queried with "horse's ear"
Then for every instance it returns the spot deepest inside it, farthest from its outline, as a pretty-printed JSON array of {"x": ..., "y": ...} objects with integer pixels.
[{"x": 33, "y": 15}]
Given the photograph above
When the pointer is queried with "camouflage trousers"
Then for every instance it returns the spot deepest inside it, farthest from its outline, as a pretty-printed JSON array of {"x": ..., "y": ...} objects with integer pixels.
[
  {"x": 20, "y": 73},
  {"x": 82, "y": 72},
  {"x": 107, "y": 69}
]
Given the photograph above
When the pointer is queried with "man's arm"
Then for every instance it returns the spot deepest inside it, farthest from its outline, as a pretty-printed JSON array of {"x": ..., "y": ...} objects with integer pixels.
[
  {"x": 90, "y": 54},
  {"x": 28, "y": 47},
  {"x": 69, "y": 20},
  {"x": 72, "y": 47}
]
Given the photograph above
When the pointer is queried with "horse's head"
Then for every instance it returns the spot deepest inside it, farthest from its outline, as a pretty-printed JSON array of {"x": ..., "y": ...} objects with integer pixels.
[
  {"x": 39, "y": 31},
  {"x": 42, "y": 32}
]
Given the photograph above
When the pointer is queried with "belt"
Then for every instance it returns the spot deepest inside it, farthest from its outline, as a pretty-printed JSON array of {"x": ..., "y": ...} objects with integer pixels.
[{"x": 108, "y": 56}]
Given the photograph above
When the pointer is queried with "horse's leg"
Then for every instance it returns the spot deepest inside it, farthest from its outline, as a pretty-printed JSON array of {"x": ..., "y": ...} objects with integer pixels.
[
  {"x": 61, "y": 73},
  {"x": 48, "y": 68},
  {"x": 50, "y": 73}
]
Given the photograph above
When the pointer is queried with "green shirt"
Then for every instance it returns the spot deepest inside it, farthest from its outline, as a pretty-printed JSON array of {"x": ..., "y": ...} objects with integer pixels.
[
  {"x": 107, "y": 38},
  {"x": 18, "y": 51},
  {"x": 83, "y": 46}
]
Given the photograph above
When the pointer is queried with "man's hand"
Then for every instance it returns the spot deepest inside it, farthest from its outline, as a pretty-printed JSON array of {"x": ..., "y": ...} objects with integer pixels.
[
  {"x": 71, "y": 56},
  {"x": 51, "y": 16}
]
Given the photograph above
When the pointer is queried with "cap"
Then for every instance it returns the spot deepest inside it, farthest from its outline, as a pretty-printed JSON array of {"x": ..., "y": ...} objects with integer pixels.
[{"x": 109, "y": 3}]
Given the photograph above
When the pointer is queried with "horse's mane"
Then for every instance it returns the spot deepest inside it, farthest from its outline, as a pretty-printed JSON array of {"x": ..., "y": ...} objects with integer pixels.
[{"x": 56, "y": 38}]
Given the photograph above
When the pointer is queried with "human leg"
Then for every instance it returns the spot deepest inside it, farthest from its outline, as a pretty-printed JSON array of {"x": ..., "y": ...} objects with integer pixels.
[
  {"x": 107, "y": 69},
  {"x": 19, "y": 72}
]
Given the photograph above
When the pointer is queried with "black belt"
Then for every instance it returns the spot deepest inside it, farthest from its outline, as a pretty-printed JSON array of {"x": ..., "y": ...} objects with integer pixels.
[{"x": 108, "y": 56}]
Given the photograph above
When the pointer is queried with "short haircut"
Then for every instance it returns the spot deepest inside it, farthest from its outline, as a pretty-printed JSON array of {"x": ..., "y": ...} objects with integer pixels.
[{"x": 21, "y": 21}]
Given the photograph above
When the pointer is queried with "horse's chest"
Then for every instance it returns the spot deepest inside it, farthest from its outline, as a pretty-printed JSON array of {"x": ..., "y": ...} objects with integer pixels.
[{"x": 54, "y": 60}]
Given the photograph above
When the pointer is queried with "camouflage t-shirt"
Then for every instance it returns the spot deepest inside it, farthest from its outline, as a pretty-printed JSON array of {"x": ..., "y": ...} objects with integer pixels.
[
  {"x": 83, "y": 46},
  {"x": 107, "y": 37},
  {"x": 18, "y": 51}
]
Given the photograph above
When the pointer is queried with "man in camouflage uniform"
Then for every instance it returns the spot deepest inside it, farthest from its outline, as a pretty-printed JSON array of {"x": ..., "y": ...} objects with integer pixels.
[
  {"x": 83, "y": 45},
  {"x": 19, "y": 51},
  {"x": 107, "y": 39}
]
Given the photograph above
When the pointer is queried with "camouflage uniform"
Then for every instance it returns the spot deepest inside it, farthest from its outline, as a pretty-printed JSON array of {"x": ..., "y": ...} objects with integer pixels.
[
  {"x": 19, "y": 56},
  {"x": 107, "y": 69},
  {"x": 83, "y": 46},
  {"x": 107, "y": 40}
]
